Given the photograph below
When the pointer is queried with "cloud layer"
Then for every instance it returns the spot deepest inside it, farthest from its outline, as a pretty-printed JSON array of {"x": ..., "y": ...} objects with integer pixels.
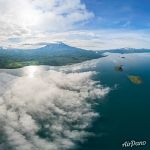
[
  {"x": 91, "y": 39},
  {"x": 32, "y": 17},
  {"x": 50, "y": 110},
  {"x": 26, "y": 23}
]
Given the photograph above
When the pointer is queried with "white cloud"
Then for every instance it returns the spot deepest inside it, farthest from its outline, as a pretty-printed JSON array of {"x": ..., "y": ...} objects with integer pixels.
[
  {"x": 108, "y": 39},
  {"x": 49, "y": 110},
  {"x": 21, "y": 18},
  {"x": 28, "y": 22},
  {"x": 103, "y": 39},
  {"x": 90, "y": 39}
]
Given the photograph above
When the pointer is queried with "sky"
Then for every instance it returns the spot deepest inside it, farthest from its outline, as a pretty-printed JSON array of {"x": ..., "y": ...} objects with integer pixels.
[{"x": 89, "y": 24}]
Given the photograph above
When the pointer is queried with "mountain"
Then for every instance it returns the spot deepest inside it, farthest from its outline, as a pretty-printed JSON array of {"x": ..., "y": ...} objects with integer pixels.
[
  {"x": 54, "y": 54},
  {"x": 127, "y": 50}
]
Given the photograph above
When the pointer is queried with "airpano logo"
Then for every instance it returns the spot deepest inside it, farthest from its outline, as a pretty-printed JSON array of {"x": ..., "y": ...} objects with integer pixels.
[{"x": 133, "y": 144}]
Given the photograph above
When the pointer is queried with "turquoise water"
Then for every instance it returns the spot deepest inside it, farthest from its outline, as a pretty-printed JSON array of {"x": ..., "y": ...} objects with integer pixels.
[
  {"x": 53, "y": 105},
  {"x": 125, "y": 111}
]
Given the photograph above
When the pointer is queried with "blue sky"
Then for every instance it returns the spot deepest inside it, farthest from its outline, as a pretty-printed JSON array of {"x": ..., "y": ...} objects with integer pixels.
[
  {"x": 126, "y": 14},
  {"x": 89, "y": 24}
]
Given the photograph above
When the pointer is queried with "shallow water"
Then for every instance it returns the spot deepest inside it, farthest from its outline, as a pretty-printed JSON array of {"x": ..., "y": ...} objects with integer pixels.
[{"x": 87, "y": 106}]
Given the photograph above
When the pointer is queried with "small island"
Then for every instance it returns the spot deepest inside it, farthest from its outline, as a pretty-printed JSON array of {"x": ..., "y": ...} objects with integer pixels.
[{"x": 135, "y": 79}]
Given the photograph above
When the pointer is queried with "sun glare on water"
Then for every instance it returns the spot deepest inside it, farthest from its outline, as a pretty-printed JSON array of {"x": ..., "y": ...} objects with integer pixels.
[{"x": 31, "y": 71}]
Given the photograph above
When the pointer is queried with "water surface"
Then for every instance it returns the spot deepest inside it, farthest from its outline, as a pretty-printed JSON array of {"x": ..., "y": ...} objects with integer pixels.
[{"x": 87, "y": 106}]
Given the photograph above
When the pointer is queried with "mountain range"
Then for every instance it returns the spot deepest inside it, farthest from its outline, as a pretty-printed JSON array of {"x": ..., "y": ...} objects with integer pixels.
[{"x": 54, "y": 54}]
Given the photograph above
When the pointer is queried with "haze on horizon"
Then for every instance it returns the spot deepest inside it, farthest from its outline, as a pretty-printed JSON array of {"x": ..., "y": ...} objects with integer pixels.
[{"x": 96, "y": 24}]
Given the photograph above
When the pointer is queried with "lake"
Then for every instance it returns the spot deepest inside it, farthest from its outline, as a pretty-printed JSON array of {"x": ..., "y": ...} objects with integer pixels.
[
  {"x": 86, "y": 106},
  {"x": 125, "y": 110}
]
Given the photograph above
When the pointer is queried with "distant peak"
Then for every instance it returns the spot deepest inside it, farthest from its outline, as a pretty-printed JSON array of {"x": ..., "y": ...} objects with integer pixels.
[
  {"x": 55, "y": 44},
  {"x": 61, "y": 43},
  {"x": 128, "y": 48},
  {"x": 3, "y": 48}
]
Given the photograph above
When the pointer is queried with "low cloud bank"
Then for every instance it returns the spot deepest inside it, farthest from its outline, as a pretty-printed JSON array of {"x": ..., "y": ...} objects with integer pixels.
[{"x": 50, "y": 111}]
